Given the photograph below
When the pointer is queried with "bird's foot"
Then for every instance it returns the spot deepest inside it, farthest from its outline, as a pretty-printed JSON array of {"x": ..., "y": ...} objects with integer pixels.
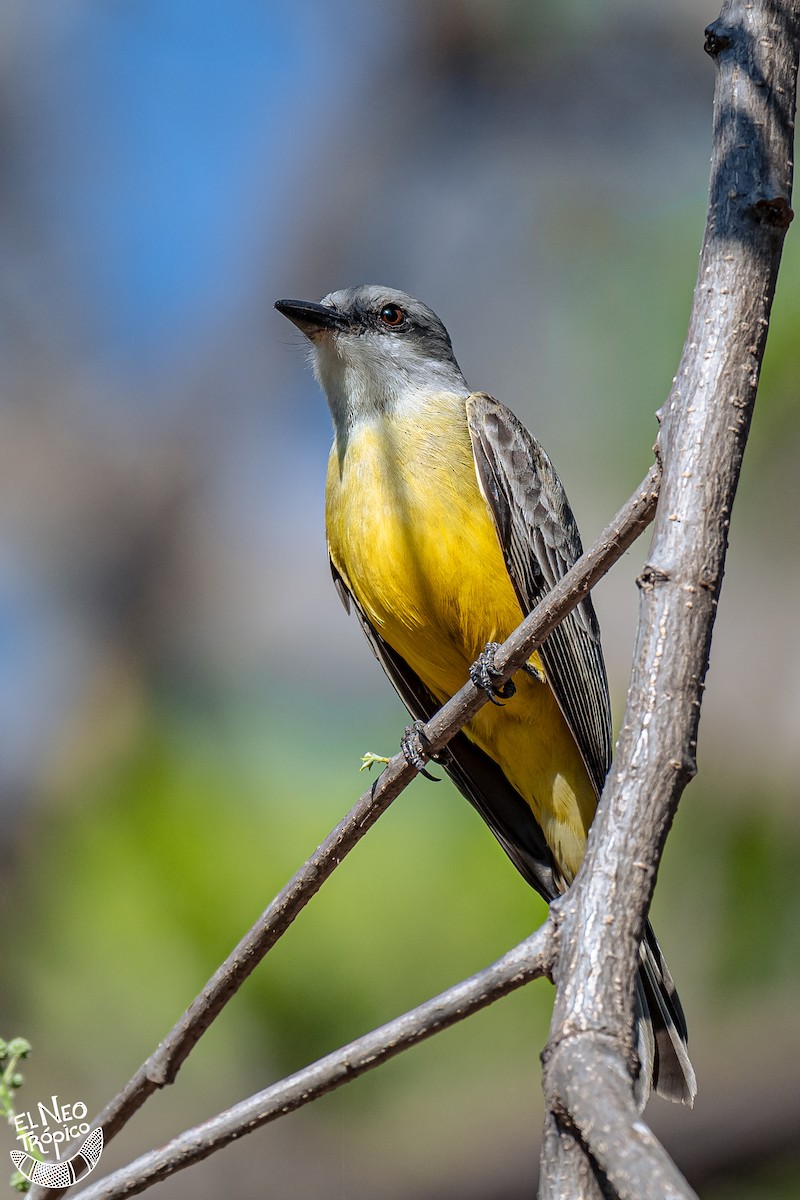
[
  {"x": 416, "y": 749},
  {"x": 484, "y": 675}
]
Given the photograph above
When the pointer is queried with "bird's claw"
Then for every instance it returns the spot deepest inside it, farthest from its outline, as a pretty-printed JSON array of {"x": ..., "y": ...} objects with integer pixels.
[
  {"x": 416, "y": 749},
  {"x": 484, "y": 675}
]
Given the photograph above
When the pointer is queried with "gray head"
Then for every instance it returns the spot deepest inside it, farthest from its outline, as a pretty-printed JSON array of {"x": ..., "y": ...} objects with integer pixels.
[{"x": 375, "y": 350}]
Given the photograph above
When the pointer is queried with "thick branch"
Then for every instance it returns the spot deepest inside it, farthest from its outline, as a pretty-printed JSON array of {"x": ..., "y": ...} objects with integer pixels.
[
  {"x": 530, "y": 960},
  {"x": 612, "y": 1132},
  {"x": 705, "y": 425}
]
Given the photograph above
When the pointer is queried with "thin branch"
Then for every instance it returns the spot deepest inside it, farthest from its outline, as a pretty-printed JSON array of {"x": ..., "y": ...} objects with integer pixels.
[
  {"x": 531, "y": 959},
  {"x": 164, "y": 1063},
  {"x": 705, "y": 425}
]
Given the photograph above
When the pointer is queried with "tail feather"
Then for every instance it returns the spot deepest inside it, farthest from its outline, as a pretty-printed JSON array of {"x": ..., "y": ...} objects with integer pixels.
[{"x": 662, "y": 1029}]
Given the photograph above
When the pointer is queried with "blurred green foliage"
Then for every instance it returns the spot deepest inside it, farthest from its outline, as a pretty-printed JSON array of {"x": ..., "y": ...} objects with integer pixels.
[
  {"x": 145, "y": 880},
  {"x": 159, "y": 867},
  {"x": 777, "y": 1179},
  {"x": 760, "y": 913}
]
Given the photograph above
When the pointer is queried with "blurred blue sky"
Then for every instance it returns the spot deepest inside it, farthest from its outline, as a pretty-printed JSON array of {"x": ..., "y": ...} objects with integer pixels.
[
  {"x": 161, "y": 137},
  {"x": 152, "y": 150}
]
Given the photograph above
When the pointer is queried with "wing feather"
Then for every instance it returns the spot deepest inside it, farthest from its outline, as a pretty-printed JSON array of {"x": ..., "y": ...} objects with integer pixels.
[{"x": 540, "y": 541}]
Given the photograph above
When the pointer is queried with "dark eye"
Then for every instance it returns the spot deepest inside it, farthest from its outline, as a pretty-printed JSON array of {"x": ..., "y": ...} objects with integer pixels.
[{"x": 392, "y": 315}]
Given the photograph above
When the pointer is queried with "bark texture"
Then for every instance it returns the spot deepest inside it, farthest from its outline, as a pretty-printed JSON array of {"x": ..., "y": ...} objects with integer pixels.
[{"x": 705, "y": 423}]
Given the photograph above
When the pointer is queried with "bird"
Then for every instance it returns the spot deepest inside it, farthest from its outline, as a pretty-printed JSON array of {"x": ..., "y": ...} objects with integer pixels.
[{"x": 446, "y": 524}]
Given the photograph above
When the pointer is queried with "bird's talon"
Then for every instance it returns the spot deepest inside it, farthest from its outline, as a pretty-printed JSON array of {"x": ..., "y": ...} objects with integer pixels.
[
  {"x": 416, "y": 749},
  {"x": 484, "y": 674}
]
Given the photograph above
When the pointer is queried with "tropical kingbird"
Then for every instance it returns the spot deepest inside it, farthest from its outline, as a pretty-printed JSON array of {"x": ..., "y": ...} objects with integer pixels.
[{"x": 446, "y": 524}]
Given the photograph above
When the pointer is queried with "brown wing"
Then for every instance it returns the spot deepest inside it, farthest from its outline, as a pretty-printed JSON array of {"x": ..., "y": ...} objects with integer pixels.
[
  {"x": 540, "y": 542},
  {"x": 475, "y": 775}
]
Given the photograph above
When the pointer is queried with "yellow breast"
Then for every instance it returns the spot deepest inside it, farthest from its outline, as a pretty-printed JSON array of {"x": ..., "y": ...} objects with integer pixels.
[
  {"x": 412, "y": 537},
  {"x": 411, "y": 534}
]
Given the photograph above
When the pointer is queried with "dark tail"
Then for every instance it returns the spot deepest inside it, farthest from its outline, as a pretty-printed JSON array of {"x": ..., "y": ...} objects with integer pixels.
[{"x": 662, "y": 1030}]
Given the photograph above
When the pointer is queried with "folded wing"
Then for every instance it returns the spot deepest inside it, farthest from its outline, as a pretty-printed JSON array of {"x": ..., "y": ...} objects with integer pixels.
[{"x": 540, "y": 542}]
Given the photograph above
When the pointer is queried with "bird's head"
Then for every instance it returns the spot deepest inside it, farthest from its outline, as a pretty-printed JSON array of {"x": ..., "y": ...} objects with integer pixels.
[{"x": 375, "y": 350}]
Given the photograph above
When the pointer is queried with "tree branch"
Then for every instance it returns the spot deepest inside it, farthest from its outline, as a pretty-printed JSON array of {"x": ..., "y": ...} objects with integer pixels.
[
  {"x": 530, "y": 960},
  {"x": 164, "y": 1063},
  {"x": 705, "y": 424}
]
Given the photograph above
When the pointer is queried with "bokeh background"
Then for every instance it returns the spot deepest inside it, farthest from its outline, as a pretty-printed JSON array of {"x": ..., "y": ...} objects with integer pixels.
[{"x": 183, "y": 702}]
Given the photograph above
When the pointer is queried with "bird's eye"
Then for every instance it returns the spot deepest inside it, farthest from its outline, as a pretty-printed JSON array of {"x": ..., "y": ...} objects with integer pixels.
[{"x": 392, "y": 315}]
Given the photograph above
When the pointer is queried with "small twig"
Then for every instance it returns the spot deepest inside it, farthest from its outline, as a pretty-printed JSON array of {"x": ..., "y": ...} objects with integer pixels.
[{"x": 531, "y": 959}]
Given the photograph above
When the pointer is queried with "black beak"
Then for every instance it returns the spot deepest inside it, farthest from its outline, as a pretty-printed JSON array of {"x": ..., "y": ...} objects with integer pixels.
[{"x": 310, "y": 318}]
